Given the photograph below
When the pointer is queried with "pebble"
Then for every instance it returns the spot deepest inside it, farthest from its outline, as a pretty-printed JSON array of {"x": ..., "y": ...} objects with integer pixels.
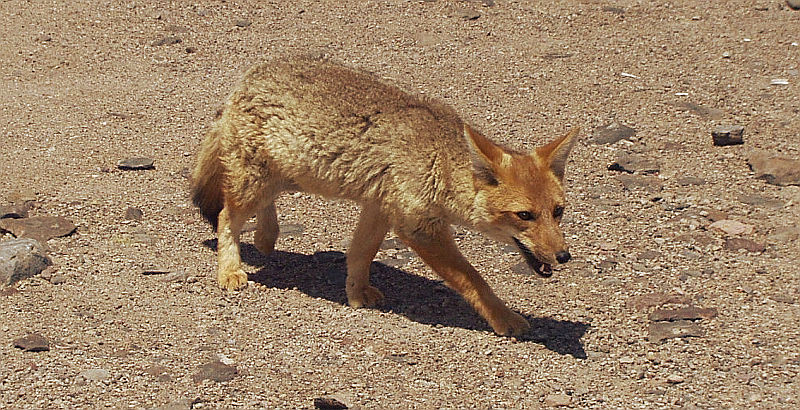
[
  {"x": 640, "y": 182},
  {"x": 732, "y": 227},
  {"x": 793, "y": 4},
  {"x": 15, "y": 211},
  {"x": 242, "y": 23},
  {"x": 32, "y": 342},
  {"x": 632, "y": 163},
  {"x": 290, "y": 229},
  {"x": 724, "y": 135},
  {"x": 734, "y": 244},
  {"x": 758, "y": 200},
  {"x": 216, "y": 371},
  {"x": 612, "y": 133},
  {"x": 133, "y": 214},
  {"x": 675, "y": 379},
  {"x": 95, "y": 375},
  {"x": 557, "y": 400},
  {"x": 468, "y": 14},
  {"x": 392, "y": 243},
  {"x": 328, "y": 403},
  {"x": 659, "y": 331},
  {"x": 58, "y": 279},
  {"x": 643, "y": 302},
  {"x": 774, "y": 169},
  {"x": 180, "y": 404},
  {"x": 167, "y": 41},
  {"x": 136, "y": 164},
  {"x": 784, "y": 234}
]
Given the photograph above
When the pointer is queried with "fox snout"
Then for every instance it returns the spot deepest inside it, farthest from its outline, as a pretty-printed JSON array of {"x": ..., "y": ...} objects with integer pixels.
[{"x": 563, "y": 256}]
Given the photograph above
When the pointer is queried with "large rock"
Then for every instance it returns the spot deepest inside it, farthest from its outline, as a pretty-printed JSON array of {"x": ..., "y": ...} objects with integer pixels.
[
  {"x": 21, "y": 259},
  {"x": 613, "y": 132},
  {"x": 633, "y": 163},
  {"x": 41, "y": 228},
  {"x": 774, "y": 169}
]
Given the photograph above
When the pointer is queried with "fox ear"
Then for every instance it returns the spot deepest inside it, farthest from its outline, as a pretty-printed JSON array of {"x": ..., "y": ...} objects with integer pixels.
[
  {"x": 486, "y": 155},
  {"x": 555, "y": 154}
]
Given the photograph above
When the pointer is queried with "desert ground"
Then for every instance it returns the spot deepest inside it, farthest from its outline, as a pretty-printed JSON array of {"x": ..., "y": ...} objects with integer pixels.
[{"x": 657, "y": 309}]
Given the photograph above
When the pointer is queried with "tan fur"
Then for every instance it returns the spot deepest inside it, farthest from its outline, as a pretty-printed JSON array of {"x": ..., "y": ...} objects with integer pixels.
[{"x": 414, "y": 165}]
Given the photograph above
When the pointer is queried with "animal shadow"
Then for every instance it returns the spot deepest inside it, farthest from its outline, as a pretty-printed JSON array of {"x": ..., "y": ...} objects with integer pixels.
[{"x": 420, "y": 299}]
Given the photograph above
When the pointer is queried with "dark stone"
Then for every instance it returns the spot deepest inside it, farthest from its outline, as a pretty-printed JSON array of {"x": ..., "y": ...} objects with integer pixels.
[
  {"x": 15, "y": 211},
  {"x": 216, "y": 371},
  {"x": 734, "y": 244},
  {"x": 632, "y": 163},
  {"x": 728, "y": 135},
  {"x": 773, "y": 169},
  {"x": 793, "y": 4},
  {"x": 687, "y": 313},
  {"x": 613, "y": 132},
  {"x": 328, "y": 403},
  {"x": 242, "y": 23},
  {"x": 33, "y": 342},
  {"x": 136, "y": 164},
  {"x": 660, "y": 331},
  {"x": 329, "y": 257},
  {"x": 167, "y": 41},
  {"x": 640, "y": 182},
  {"x": 41, "y": 228},
  {"x": 21, "y": 259},
  {"x": 685, "y": 181},
  {"x": 134, "y": 214}
]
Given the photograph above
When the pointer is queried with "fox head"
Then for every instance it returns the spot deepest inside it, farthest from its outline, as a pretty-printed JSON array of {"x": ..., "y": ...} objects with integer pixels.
[{"x": 520, "y": 197}]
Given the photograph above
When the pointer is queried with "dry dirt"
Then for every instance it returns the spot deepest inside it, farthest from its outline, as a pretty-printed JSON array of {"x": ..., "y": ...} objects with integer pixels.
[{"x": 85, "y": 84}]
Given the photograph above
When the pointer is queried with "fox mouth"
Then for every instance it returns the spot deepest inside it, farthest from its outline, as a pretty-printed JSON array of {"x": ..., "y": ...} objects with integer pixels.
[{"x": 542, "y": 269}]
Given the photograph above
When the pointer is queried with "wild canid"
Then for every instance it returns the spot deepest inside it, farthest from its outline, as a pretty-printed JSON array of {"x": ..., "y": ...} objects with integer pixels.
[{"x": 312, "y": 125}]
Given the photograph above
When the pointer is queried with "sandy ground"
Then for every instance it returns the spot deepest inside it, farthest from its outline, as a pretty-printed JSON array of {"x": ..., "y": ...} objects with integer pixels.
[{"x": 85, "y": 84}]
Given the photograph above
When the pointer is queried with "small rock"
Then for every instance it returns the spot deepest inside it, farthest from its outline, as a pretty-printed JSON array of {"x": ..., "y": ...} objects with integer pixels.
[
  {"x": 33, "y": 342},
  {"x": 783, "y": 298},
  {"x": 632, "y": 163},
  {"x": 701, "y": 110},
  {"x": 613, "y": 132},
  {"x": 758, "y": 200},
  {"x": 216, "y": 371},
  {"x": 731, "y": 227},
  {"x": 15, "y": 211},
  {"x": 675, "y": 379},
  {"x": 468, "y": 14},
  {"x": 22, "y": 196},
  {"x": 773, "y": 169},
  {"x": 392, "y": 243},
  {"x": 177, "y": 276},
  {"x": 158, "y": 270},
  {"x": 180, "y": 404},
  {"x": 136, "y": 164},
  {"x": 58, "y": 279},
  {"x": 21, "y": 259},
  {"x": 167, "y": 41},
  {"x": 242, "y": 23},
  {"x": 607, "y": 264},
  {"x": 648, "y": 255},
  {"x": 190, "y": 50},
  {"x": 95, "y": 375},
  {"x": 522, "y": 268},
  {"x": 8, "y": 291},
  {"x": 640, "y": 182},
  {"x": 734, "y": 244},
  {"x": 687, "y": 313},
  {"x": 685, "y": 181},
  {"x": 161, "y": 373},
  {"x": 785, "y": 234},
  {"x": 728, "y": 135},
  {"x": 659, "y": 331},
  {"x": 557, "y": 400},
  {"x": 793, "y": 4},
  {"x": 328, "y": 403},
  {"x": 133, "y": 214},
  {"x": 43, "y": 38}
]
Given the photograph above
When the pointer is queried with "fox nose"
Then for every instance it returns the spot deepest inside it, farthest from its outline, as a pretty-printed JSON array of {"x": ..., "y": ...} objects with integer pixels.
[{"x": 563, "y": 256}]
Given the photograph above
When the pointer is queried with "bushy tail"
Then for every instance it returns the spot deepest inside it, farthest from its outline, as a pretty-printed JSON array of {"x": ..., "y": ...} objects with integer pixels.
[{"x": 207, "y": 176}]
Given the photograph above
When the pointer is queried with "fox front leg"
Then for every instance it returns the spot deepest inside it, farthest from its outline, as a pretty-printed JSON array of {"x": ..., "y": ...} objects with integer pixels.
[{"x": 439, "y": 251}]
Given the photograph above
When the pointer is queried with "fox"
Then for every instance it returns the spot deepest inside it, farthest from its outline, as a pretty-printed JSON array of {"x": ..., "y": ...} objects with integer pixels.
[{"x": 313, "y": 125}]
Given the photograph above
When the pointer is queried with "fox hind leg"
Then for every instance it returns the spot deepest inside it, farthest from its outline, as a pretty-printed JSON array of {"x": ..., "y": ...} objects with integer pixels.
[
  {"x": 266, "y": 229},
  {"x": 370, "y": 231},
  {"x": 230, "y": 273}
]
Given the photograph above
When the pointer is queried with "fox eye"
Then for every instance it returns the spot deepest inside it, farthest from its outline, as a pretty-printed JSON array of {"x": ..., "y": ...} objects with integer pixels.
[
  {"x": 558, "y": 212},
  {"x": 525, "y": 215}
]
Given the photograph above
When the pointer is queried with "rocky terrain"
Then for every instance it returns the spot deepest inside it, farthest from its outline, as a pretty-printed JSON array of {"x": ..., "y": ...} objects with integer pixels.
[{"x": 683, "y": 214}]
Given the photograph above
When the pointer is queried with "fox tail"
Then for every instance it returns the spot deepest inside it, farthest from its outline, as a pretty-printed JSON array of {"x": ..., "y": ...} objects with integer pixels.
[{"x": 207, "y": 177}]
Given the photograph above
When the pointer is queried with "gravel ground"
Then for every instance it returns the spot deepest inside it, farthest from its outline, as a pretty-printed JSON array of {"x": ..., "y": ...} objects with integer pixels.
[{"x": 86, "y": 84}]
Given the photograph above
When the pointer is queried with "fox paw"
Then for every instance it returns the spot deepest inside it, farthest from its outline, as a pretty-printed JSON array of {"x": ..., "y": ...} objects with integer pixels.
[
  {"x": 510, "y": 324},
  {"x": 232, "y": 280},
  {"x": 364, "y": 296}
]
